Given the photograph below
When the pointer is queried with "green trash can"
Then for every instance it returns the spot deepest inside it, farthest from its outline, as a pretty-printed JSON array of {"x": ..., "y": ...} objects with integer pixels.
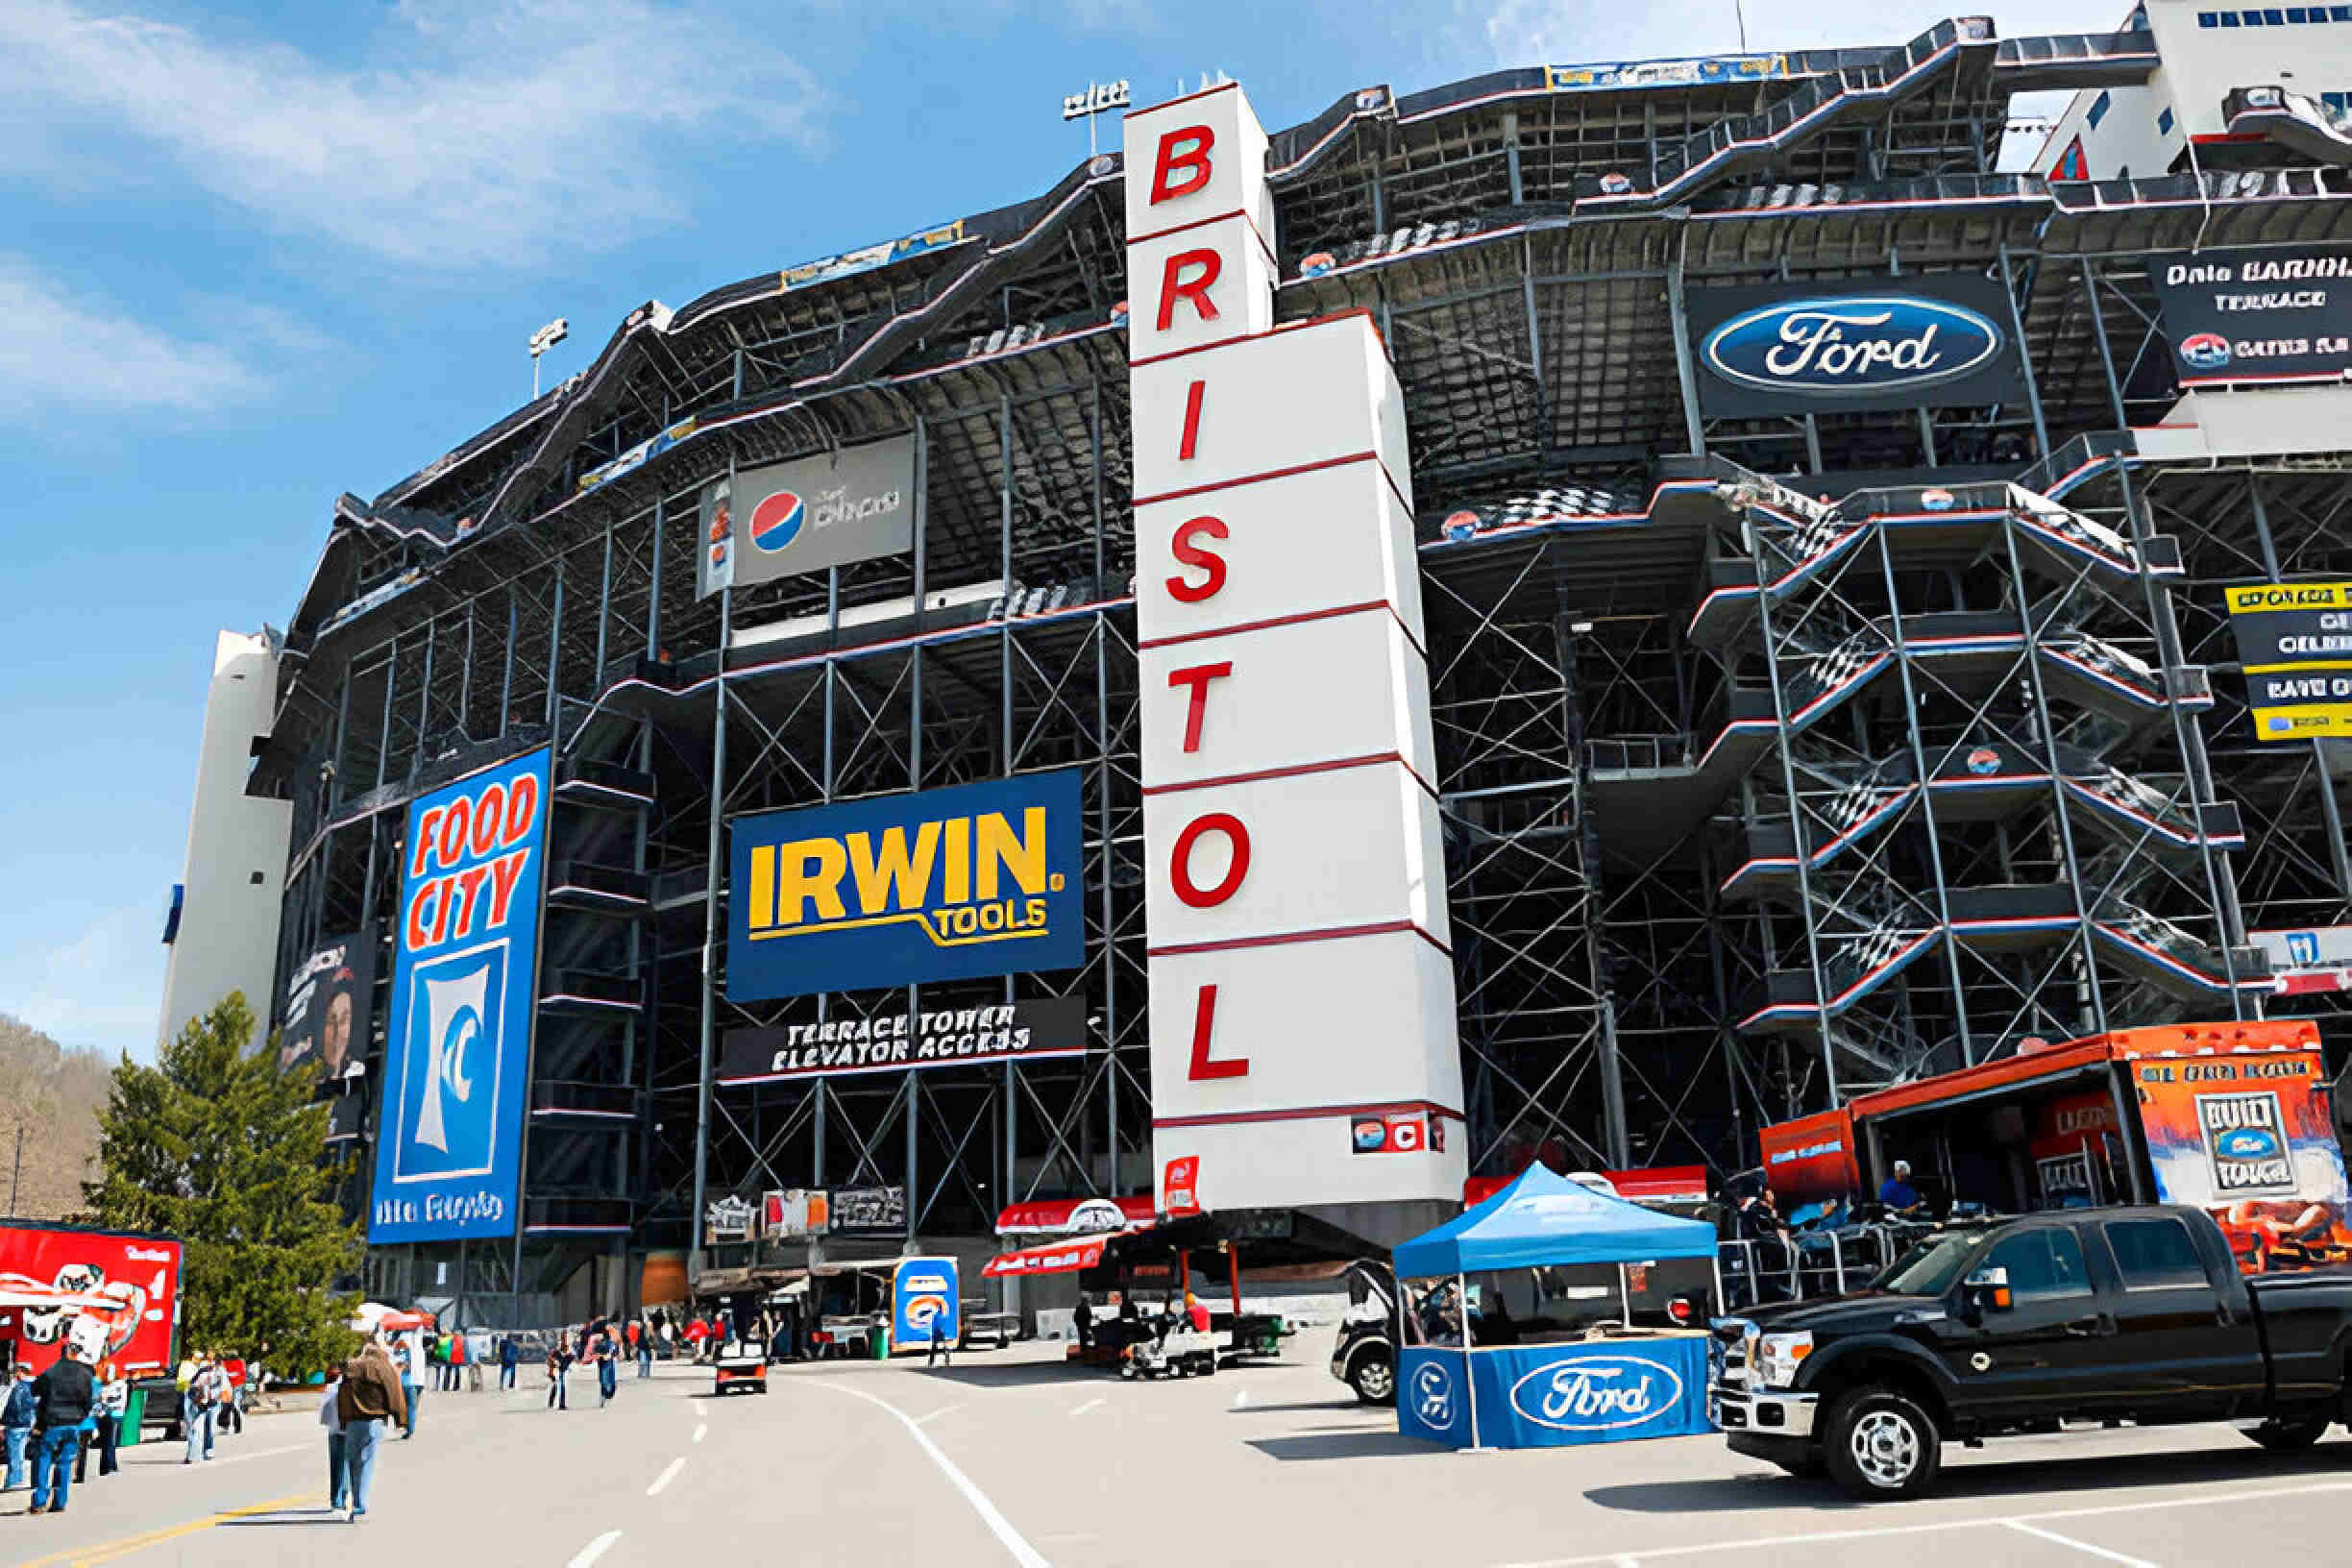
[
  {"x": 879, "y": 1339},
  {"x": 134, "y": 1413}
]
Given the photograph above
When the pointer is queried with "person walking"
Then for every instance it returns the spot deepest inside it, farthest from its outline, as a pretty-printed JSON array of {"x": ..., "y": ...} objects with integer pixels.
[
  {"x": 16, "y": 1423},
  {"x": 63, "y": 1398},
  {"x": 511, "y": 1358},
  {"x": 198, "y": 1410},
  {"x": 232, "y": 1395},
  {"x": 641, "y": 1345},
  {"x": 939, "y": 1349},
  {"x": 457, "y": 1362},
  {"x": 372, "y": 1394},
  {"x": 558, "y": 1362},
  {"x": 113, "y": 1405},
  {"x": 411, "y": 1382},
  {"x": 608, "y": 1367},
  {"x": 339, "y": 1461},
  {"x": 1083, "y": 1317}
]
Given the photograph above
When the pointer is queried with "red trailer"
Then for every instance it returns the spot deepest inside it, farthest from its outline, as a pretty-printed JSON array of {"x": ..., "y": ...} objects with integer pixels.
[{"x": 125, "y": 1287}]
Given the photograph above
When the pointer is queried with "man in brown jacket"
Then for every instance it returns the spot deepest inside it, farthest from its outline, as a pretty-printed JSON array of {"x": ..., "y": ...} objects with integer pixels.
[{"x": 370, "y": 1396}]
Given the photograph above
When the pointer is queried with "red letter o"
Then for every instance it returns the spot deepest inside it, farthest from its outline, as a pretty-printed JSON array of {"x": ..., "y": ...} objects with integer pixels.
[{"x": 1180, "y": 862}]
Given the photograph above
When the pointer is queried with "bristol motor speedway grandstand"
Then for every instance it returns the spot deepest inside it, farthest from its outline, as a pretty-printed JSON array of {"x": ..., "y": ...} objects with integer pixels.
[{"x": 1786, "y": 747}]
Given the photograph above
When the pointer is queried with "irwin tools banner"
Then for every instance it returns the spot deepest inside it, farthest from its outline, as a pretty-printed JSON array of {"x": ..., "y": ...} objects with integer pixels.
[
  {"x": 1917, "y": 340},
  {"x": 768, "y": 523},
  {"x": 953, "y": 884},
  {"x": 2279, "y": 313},
  {"x": 952, "y": 1036},
  {"x": 464, "y": 970},
  {"x": 2294, "y": 640}
]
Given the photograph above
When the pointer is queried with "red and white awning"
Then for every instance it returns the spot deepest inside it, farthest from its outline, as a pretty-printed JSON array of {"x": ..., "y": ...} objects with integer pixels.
[
  {"x": 1060, "y": 1258},
  {"x": 1073, "y": 1216}
]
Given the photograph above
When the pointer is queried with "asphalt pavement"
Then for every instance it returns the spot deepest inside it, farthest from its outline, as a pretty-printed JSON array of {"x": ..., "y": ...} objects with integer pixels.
[{"x": 1010, "y": 1457}]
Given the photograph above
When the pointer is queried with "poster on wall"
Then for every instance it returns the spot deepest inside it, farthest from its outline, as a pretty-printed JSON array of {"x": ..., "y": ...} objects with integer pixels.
[
  {"x": 108, "y": 1290},
  {"x": 326, "y": 1015},
  {"x": 954, "y": 883},
  {"x": 464, "y": 983},
  {"x": 833, "y": 509},
  {"x": 2272, "y": 313},
  {"x": 2294, "y": 640},
  {"x": 1934, "y": 340},
  {"x": 2251, "y": 1140},
  {"x": 951, "y": 1037},
  {"x": 868, "y": 1211}
]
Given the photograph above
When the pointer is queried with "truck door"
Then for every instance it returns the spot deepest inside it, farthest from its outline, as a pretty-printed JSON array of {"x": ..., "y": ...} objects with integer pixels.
[
  {"x": 2038, "y": 1356},
  {"x": 2181, "y": 1346}
]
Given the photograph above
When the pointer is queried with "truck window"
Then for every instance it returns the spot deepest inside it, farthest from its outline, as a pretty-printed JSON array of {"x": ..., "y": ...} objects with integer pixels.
[
  {"x": 2154, "y": 1254},
  {"x": 2042, "y": 1264}
]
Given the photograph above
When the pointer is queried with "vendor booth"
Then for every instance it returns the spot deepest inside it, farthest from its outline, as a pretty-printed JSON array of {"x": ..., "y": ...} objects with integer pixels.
[{"x": 1525, "y": 1335}]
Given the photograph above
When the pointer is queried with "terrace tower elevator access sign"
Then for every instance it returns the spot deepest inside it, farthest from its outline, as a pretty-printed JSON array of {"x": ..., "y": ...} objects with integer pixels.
[{"x": 1302, "y": 978}]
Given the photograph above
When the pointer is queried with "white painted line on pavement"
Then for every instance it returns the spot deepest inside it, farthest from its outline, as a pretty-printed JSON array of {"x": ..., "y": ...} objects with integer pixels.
[
  {"x": 240, "y": 1459},
  {"x": 594, "y": 1550},
  {"x": 666, "y": 1476},
  {"x": 944, "y": 1410},
  {"x": 1091, "y": 1404},
  {"x": 2081, "y": 1545},
  {"x": 998, "y": 1525},
  {"x": 700, "y": 1431},
  {"x": 1753, "y": 1544}
]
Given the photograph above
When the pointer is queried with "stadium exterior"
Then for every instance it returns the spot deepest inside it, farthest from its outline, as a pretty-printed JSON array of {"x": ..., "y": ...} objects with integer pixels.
[{"x": 1781, "y": 754}]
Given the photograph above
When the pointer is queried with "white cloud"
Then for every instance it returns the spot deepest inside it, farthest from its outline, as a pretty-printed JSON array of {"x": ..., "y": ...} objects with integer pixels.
[
  {"x": 103, "y": 988},
  {"x": 499, "y": 130},
  {"x": 60, "y": 351}
]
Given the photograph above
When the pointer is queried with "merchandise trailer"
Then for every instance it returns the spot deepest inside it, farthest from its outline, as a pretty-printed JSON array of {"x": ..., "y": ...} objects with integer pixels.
[{"x": 1807, "y": 718}]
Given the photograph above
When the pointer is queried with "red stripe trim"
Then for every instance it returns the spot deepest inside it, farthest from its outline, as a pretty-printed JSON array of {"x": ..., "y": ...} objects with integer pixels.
[
  {"x": 1331, "y": 934},
  {"x": 1280, "y": 328},
  {"x": 1295, "y": 770},
  {"x": 1174, "y": 639},
  {"x": 1365, "y": 456},
  {"x": 1307, "y": 1111},
  {"x": 1247, "y": 222},
  {"x": 1204, "y": 92}
]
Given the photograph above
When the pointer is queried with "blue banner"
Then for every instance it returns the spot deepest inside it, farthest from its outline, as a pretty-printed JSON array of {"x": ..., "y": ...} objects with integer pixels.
[
  {"x": 954, "y": 883},
  {"x": 1556, "y": 1396},
  {"x": 924, "y": 1303},
  {"x": 464, "y": 974}
]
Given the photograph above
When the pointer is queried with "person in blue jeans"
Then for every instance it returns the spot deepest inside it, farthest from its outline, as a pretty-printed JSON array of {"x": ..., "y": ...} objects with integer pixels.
[
  {"x": 199, "y": 1409},
  {"x": 411, "y": 1359},
  {"x": 63, "y": 1399},
  {"x": 369, "y": 1402},
  {"x": 511, "y": 1358},
  {"x": 16, "y": 1423}
]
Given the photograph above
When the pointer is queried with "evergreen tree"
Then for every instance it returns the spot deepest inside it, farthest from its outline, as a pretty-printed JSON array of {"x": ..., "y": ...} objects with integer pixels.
[{"x": 222, "y": 1149}]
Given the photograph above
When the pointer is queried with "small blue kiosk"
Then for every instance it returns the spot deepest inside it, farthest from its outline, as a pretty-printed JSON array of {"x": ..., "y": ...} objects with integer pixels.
[{"x": 1573, "y": 1390}]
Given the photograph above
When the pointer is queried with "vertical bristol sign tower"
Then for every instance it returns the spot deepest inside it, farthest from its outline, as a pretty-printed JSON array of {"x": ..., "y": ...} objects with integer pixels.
[{"x": 1303, "y": 1037}]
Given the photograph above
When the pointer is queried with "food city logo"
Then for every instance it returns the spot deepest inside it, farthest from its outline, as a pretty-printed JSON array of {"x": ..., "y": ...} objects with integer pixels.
[
  {"x": 963, "y": 880},
  {"x": 1597, "y": 1393},
  {"x": 468, "y": 859},
  {"x": 1851, "y": 344},
  {"x": 1432, "y": 1392},
  {"x": 2245, "y": 1141}
]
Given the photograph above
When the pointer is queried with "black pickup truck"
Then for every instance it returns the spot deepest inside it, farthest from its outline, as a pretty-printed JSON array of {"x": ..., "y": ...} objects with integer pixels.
[{"x": 2104, "y": 1315}]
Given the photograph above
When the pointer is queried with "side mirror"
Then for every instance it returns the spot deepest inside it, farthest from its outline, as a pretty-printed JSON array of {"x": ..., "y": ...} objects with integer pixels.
[{"x": 1987, "y": 1288}]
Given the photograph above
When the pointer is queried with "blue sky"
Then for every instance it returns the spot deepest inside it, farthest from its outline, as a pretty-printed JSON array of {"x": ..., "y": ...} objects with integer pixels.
[{"x": 256, "y": 256}]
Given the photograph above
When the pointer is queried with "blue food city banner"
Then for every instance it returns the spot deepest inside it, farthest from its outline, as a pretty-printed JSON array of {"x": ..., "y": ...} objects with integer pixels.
[
  {"x": 1918, "y": 340},
  {"x": 954, "y": 883},
  {"x": 1556, "y": 1396},
  {"x": 464, "y": 974},
  {"x": 924, "y": 1303}
]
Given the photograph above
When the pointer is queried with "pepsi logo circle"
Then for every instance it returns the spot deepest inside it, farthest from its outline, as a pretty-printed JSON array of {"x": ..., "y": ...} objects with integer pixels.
[
  {"x": 1371, "y": 1134},
  {"x": 776, "y": 523},
  {"x": 1316, "y": 264},
  {"x": 1936, "y": 501},
  {"x": 2205, "y": 351},
  {"x": 1983, "y": 760}
]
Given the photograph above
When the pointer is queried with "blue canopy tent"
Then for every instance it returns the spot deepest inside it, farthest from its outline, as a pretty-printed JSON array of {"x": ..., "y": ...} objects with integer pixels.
[{"x": 1603, "y": 1391}]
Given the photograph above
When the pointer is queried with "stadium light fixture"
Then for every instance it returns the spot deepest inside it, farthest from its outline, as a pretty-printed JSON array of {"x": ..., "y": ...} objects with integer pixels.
[
  {"x": 1099, "y": 98},
  {"x": 542, "y": 340}
]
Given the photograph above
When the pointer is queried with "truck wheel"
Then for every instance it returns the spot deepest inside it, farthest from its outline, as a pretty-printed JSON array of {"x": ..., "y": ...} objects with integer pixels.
[
  {"x": 1882, "y": 1445},
  {"x": 1374, "y": 1379},
  {"x": 2289, "y": 1436}
]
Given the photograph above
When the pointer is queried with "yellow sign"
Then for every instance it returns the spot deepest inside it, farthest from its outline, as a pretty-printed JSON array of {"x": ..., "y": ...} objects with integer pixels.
[
  {"x": 2290, "y": 595},
  {"x": 2315, "y": 721},
  {"x": 961, "y": 879}
]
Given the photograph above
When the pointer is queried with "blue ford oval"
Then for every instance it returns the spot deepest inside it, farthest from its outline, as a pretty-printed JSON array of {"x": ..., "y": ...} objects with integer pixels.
[
  {"x": 2247, "y": 1144},
  {"x": 1850, "y": 344}
]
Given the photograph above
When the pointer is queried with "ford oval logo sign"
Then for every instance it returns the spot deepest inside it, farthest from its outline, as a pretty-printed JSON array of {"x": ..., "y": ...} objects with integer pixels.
[
  {"x": 1851, "y": 344},
  {"x": 1598, "y": 1394},
  {"x": 2247, "y": 1144}
]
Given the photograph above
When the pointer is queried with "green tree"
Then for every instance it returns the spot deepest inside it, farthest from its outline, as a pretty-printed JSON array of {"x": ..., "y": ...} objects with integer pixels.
[{"x": 222, "y": 1149}]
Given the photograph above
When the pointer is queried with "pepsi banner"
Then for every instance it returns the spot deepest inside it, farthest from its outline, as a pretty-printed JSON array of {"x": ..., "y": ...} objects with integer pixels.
[
  {"x": 763, "y": 524},
  {"x": 2279, "y": 313},
  {"x": 464, "y": 970},
  {"x": 924, "y": 1304},
  {"x": 1854, "y": 345},
  {"x": 1556, "y": 1396},
  {"x": 955, "y": 884}
]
